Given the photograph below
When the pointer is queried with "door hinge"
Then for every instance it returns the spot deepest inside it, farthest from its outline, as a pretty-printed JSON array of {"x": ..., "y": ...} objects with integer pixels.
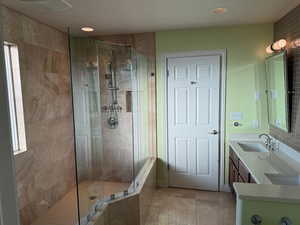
[{"x": 168, "y": 73}]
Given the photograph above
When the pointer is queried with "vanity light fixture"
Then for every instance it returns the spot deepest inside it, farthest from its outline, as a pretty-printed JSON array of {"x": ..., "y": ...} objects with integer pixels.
[
  {"x": 269, "y": 50},
  {"x": 279, "y": 45},
  {"x": 276, "y": 46},
  {"x": 87, "y": 29}
]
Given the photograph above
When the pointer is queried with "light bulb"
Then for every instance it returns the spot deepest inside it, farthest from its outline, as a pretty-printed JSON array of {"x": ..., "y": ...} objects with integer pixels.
[
  {"x": 278, "y": 45},
  {"x": 282, "y": 43},
  {"x": 296, "y": 43}
]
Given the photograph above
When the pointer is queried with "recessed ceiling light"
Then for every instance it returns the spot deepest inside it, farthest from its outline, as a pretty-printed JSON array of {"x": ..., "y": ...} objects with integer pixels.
[
  {"x": 219, "y": 10},
  {"x": 87, "y": 29}
]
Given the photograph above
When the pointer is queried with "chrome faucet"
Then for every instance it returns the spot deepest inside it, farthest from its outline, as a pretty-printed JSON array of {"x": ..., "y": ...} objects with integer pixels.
[{"x": 268, "y": 141}]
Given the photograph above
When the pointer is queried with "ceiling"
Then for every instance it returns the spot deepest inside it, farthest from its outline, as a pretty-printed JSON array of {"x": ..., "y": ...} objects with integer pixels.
[{"x": 127, "y": 16}]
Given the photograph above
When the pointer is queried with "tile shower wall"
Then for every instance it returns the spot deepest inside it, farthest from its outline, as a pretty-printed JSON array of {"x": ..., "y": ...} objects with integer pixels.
[
  {"x": 45, "y": 172},
  {"x": 144, "y": 44},
  {"x": 288, "y": 27},
  {"x": 117, "y": 162}
]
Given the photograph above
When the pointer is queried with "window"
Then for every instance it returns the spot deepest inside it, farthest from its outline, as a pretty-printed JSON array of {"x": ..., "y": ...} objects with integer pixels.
[{"x": 15, "y": 97}]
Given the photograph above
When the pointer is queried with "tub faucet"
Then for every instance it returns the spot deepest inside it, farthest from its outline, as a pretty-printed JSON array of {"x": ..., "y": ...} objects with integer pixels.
[{"x": 268, "y": 141}]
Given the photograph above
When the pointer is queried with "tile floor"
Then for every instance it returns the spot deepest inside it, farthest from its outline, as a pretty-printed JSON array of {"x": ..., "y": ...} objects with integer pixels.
[
  {"x": 64, "y": 212},
  {"x": 172, "y": 206}
]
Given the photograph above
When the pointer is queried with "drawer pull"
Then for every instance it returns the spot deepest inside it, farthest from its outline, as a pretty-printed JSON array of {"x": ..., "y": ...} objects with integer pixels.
[
  {"x": 285, "y": 221},
  {"x": 256, "y": 219}
]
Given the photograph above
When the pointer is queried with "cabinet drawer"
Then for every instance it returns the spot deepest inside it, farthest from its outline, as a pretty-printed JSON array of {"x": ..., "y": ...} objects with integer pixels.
[
  {"x": 234, "y": 158},
  {"x": 243, "y": 172}
]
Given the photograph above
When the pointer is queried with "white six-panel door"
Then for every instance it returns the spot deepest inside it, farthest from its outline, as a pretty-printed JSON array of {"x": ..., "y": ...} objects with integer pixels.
[{"x": 193, "y": 121}]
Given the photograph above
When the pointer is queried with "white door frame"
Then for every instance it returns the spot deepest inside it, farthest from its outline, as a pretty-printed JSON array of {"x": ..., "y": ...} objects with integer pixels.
[{"x": 223, "y": 54}]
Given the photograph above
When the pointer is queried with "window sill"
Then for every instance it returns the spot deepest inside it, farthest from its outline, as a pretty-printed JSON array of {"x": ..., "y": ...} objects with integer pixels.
[{"x": 19, "y": 152}]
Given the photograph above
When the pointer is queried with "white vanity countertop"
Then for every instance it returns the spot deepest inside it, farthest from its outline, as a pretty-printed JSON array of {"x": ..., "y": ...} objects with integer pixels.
[
  {"x": 255, "y": 166},
  {"x": 268, "y": 192},
  {"x": 258, "y": 166}
]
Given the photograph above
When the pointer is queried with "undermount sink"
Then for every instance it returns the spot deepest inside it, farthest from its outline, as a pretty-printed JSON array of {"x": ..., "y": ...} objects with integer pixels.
[
  {"x": 252, "y": 147},
  {"x": 283, "y": 179}
]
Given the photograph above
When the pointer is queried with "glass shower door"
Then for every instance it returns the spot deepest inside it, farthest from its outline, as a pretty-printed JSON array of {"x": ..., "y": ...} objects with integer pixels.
[
  {"x": 140, "y": 101},
  {"x": 102, "y": 86},
  {"x": 87, "y": 118},
  {"x": 111, "y": 113}
]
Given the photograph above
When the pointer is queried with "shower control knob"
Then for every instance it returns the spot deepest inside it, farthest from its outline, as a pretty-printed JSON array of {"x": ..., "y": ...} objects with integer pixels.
[
  {"x": 256, "y": 219},
  {"x": 112, "y": 196}
]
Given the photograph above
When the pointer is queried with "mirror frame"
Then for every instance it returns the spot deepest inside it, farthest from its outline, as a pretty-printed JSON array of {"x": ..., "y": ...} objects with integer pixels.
[{"x": 287, "y": 92}]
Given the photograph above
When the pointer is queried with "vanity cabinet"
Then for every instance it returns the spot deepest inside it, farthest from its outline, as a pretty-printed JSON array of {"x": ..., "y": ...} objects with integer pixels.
[
  {"x": 244, "y": 174},
  {"x": 252, "y": 180},
  {"x": 238, "y": 172},
  {"x": 233, "y": 174}
]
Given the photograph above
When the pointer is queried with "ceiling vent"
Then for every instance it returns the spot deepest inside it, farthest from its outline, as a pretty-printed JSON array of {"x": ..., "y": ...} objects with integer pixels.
[{"x": 53, "y": 5}]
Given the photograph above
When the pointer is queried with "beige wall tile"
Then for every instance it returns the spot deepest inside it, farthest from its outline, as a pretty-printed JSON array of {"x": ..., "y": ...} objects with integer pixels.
[{"x": 46, "y": 172}]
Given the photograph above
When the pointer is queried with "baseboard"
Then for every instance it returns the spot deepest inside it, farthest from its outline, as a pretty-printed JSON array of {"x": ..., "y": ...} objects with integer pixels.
[
  {"x": 162, "y": 185},
  {"x": 223, "y": 188}
]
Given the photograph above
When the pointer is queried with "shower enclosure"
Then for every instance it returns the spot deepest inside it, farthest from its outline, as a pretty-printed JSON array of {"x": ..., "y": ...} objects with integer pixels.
[
  {"x": 104, "y": 104},
  {"x": 110, "y": 98}
]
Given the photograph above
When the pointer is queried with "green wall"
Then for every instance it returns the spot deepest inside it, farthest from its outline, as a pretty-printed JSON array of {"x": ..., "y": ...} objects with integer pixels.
[{"x": 245, "y": 46}]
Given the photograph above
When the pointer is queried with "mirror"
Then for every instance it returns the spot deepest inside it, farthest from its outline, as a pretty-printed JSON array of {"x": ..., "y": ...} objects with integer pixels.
[{"x": 277, "y": 91}]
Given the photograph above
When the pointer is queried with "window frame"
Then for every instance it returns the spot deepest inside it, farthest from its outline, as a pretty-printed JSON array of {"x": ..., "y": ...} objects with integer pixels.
[{"x": 15, "y": 98}]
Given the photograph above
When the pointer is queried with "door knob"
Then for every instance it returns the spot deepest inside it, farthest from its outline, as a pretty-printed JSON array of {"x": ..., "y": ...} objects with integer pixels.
[
  {"x": 193, "y": 82},
  {"x": 214, "y": 132}
]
